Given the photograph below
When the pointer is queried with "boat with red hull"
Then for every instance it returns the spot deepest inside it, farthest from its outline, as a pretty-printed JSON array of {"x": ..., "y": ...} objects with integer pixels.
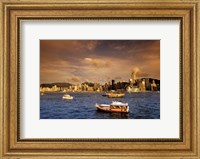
[{"x": 114, "y": 107}]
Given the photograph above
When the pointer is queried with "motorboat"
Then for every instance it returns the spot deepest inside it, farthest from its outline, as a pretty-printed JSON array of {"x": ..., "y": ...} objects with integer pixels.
[
  {"x": 67, "y": 96},
  {"x": 115, "y": 95},
  {"x": 115, "y": 107}
]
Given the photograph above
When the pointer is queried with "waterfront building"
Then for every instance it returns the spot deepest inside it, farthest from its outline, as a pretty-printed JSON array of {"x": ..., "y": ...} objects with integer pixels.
[
  {"x": 154, "y": 86},
  {"x": 113, "y": 85},
  {"x": 141, "y": 85},
  {"x": 132, "y": 89},
  {"x": 55, "y": 88},
  {"x": 48, "y": 89},
  {"x": 75, "y": 88},
  {"x": 90, "y": 89},
  {"x": 133, "y": 86},
  {"x": 133, "y": 77},
  {"x": 105, "y": 87},
  {"x": 84, "y": 87}
]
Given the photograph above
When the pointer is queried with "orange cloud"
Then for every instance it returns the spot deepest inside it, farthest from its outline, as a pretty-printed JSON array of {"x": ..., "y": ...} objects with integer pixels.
[
  {"x": 139, "y": 72},
  {"x": 98, "y": 60},
  {"x": 75, "y": 79},
  {"x": 97, "y": 63}
]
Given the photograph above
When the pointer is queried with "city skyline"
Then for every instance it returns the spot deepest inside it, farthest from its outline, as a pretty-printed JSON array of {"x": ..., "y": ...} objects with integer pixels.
[{"x": 78, "y": 61}]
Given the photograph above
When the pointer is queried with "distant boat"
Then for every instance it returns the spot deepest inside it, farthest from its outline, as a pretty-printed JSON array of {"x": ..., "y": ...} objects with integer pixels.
[
  {"x": 114, "y": 107},
  {"x": 115, "y": 95},
  {"x": 67, "y": 96},
  {"x": 41, "y": 93}
]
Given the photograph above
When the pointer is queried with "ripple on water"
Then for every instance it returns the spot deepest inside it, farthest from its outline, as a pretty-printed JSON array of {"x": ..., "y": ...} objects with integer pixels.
[{"x": 141, "y": 106}]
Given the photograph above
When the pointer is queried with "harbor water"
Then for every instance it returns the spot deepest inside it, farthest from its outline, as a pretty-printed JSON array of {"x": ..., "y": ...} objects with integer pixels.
[{"x": 142, "y": 105}]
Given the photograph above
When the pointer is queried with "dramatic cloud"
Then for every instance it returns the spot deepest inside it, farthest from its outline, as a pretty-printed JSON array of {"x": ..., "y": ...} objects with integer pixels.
[
  {"x": 75, "y": 79},
  {"x": 97, "y": 63},
  {"x": 139, "y": 73},
  {"x": 98, "y": 60},
  {"x": 136, "y": 70},
  {"x": 142, "y": 74}
]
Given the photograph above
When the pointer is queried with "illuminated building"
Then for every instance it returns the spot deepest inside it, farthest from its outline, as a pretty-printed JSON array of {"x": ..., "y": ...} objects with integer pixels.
[{"x": 133, "y": 77}]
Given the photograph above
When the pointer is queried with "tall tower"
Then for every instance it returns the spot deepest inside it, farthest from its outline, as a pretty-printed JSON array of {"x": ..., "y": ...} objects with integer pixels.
[
  {"x": 133, "y": 77},
  {"x": 113, "y": 84}
]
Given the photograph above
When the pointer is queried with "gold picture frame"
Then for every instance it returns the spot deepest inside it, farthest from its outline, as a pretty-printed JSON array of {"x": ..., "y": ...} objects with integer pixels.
[{"x": 12, "y": 12}]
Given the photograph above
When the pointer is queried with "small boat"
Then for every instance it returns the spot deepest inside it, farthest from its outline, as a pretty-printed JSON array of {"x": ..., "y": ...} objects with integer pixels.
[
  {"x": 67, "y": 96},
  {"x": 114, "y": 107},
  {"x": 115, "y": 95},
  {"x": 42, "y": 93}
]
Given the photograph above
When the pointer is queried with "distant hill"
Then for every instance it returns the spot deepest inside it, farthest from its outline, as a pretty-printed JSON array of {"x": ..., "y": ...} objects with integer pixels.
[
  {"x": 89, "y": 84},
  {"x": 58, "y": 84}
]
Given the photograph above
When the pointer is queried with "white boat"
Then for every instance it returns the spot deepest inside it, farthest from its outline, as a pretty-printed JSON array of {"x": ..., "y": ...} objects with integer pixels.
[
  {"x": 67, "y": 96},
  {"x": 115, "y": 107}
]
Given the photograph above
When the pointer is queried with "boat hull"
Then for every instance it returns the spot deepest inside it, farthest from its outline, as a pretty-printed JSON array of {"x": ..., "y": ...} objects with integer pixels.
[
  {"x": 116, "y": 95},
  {"x": 68, "y": 98},
  {"x": 110, "y": 110}
]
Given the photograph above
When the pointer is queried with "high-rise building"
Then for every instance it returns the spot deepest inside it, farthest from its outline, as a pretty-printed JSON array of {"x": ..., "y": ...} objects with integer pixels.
[
  {"x": 154, "y": 86},
  {"x": 113, "y": 84},
  {"x": 133, "y": 77}
]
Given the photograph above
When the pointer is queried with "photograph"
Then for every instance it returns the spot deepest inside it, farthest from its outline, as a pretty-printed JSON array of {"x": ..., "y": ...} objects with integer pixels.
[{"x": 99, "y": 79}]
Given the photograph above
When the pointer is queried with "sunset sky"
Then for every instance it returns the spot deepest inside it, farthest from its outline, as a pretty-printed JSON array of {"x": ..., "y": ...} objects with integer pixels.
[{"x": 77, "y": 61}]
